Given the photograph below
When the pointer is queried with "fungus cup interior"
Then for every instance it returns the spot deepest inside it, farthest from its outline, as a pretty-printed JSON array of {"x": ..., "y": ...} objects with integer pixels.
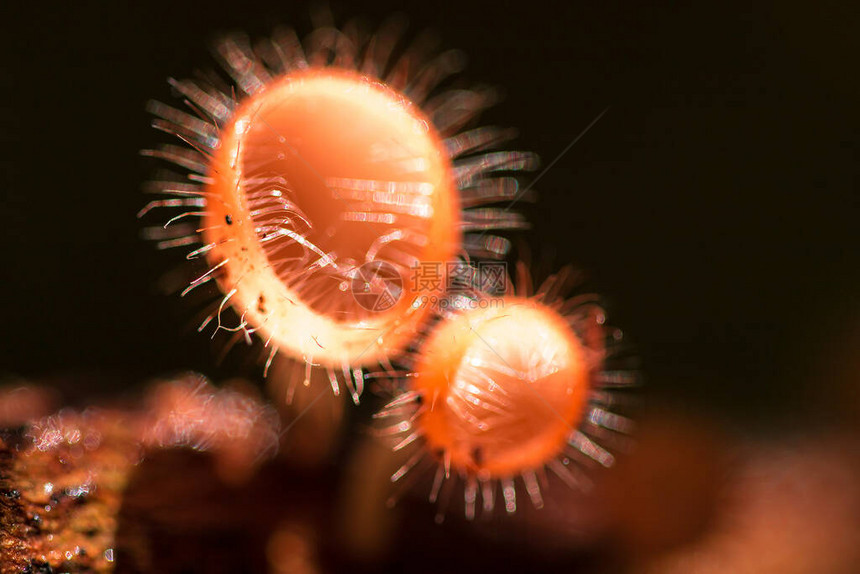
[
  {"x": 503, "y": 387},
  {"x": 319, "y": 173}
]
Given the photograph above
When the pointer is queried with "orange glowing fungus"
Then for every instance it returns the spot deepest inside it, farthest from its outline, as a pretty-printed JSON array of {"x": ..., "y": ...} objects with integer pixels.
[
  {"x": 505, "y": 387},
  {"x": 323, "y": 180}
]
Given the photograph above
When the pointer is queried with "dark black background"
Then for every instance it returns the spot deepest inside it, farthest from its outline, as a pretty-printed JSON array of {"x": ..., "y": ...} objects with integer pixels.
[{"x": 714, "y": 203}]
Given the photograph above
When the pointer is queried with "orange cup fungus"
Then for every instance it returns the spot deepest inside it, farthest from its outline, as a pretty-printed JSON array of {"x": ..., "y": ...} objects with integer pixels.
[
  {"x": 333, "y": 174},
  {"x": 503, "y": 388},
  {"x": 499, "y": 403},
  {"x": 317, "y": 175}
]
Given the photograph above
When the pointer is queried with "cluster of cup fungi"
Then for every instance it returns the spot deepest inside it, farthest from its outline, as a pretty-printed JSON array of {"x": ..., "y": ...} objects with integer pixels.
[{"x": 348, "y": 208}]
